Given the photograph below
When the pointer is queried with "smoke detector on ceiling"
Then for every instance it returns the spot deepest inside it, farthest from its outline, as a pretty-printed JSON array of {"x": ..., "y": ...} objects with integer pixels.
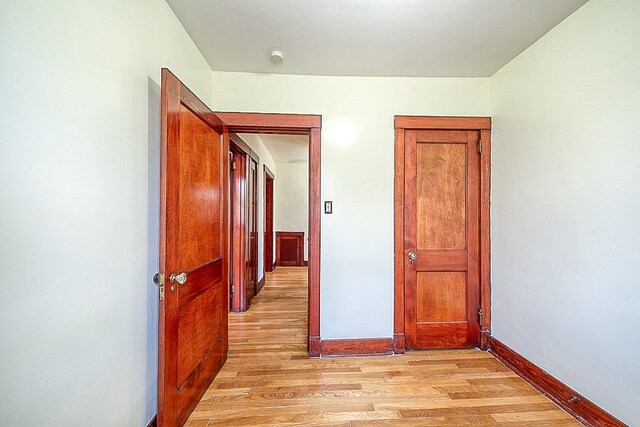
[{"x": 276, "y": 57}]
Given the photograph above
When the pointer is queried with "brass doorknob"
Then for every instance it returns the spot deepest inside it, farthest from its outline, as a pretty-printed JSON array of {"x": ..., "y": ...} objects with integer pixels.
[
  {"x": 412, "y": 257},
  {"x": 180, "y": 278}
]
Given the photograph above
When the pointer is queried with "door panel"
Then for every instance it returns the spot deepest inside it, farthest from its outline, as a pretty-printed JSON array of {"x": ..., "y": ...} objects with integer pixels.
[
  {"x": 193, "y": 317},
  {"x": 194, "y": 333},
  {"x": 441, "y": 170},
  {"x": 289, "y": 248},
  {"x": 441, "y": 223},
  {"x": 442, "y": 297},
  {"x": 268, "y": 223},
  {"x": 199, "y": 192}
]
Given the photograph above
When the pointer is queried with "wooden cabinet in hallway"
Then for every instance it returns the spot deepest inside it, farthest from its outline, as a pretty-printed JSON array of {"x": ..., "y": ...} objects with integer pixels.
[{"x": 290, "y": 248}]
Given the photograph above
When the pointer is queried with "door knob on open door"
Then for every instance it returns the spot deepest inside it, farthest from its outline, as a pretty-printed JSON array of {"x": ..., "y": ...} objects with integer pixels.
[
  {"x": 412, "y": 257},
  {"x": 180, "y": 278}
]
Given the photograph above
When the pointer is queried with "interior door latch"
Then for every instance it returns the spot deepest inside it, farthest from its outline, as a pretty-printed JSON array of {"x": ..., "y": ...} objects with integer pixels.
[{"x": 158, "y": 279}]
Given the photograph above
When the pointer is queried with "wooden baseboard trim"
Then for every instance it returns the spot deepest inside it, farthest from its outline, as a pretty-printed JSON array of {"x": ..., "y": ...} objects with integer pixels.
[
  {"x": 398, "y": 343},
  {"x": 357, "y": 347},
  {"x": 153, "y": 422},
  {"x": 564, "y": 396},
  {"x": 485, "y": 340},
  {"x": 305, "y": 263},
  {"x": 314, "y": 347},
  {"x": 260, "y": 285}
]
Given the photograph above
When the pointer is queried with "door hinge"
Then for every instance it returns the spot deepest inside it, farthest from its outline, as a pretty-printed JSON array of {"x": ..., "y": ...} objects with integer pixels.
[
  {"x": 234, "y": 165},
  {"x": 480, "y": 315},
  {"x": 480, "y": 146},
  {"x": 158, "y": 279},
  {"x": 233, "y": 288}
]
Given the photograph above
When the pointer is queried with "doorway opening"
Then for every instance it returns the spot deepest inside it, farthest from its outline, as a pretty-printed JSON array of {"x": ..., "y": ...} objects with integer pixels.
[
  {"x": 307, "y": 126},
  {"x": 272, "y": 316},
  {"x": 269, "y": 218}
]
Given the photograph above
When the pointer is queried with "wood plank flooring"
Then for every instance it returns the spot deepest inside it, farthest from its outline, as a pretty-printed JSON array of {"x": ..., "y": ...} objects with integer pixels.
[{"x": 269, "y": 381}]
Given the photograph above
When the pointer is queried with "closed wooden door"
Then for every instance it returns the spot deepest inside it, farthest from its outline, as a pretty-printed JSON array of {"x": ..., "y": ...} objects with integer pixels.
[
  {"x": 268, "y": 220},
  {"x": 244, "y": 238},
  {"x": 441, "y": 238},
  {"x": 193, "y": 243},
  {"x": 252, "y": 231},
  {"x": 238, "y": 214}
]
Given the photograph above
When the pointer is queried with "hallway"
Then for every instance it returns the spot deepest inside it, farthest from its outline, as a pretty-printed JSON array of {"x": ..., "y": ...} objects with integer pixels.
[{"x": 268, "y": 379}]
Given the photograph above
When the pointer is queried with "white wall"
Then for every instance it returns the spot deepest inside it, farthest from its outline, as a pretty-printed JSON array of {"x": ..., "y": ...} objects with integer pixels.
[
  {"x": 566, "y": 204},
  {"x": 79, "y": 191},
  {"x": 357, "y": 174},
  {"x": 78, "y": 218},
  {"x": 292, "y": 200},
  {"x": 263, "y": 153}
]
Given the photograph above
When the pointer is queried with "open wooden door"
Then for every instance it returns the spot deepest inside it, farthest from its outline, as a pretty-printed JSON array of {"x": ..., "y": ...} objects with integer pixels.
[
  {"x": 192, "y": 333},
  {"x": 238, "y": 238}
]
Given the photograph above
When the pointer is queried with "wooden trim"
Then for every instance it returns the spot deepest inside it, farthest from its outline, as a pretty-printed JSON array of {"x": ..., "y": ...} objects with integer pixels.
[
  {"x": 357, "y": 347},
  {"x": 314, "y": 346},
  {"x": 243, "y": 146},
  {"x": 442, "y": 122},
  {"x": 267, "y": 171},
  {"x": 398, "y": 343},
  {"x": 168, "y": 99},
  {"x": 190, "y": 100},
  {"x": 260, "y": 285},
  {"x": 268, "y": 223},
  {"x": 153, "y": 422},
  {"x": 564, "y": 396},
  {"x": 314, "y": 240},
  {"x": 292, "y": 124},
  {"x": 403, "y": 123},
  {"x": 485, "y": 239},
  {"x": 398, "y": 243},
  {"x": 296, "y": 124},
  {"x": 305, "y": 263}
]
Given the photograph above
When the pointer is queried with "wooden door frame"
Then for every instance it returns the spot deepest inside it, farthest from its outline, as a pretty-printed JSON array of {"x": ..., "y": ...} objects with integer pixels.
[
  {"x": 243, "y": 146},
  {"x": 252, "y": 208},
  {"x": 239, "y": 224},
  {"x": 402, "y": 124},
  {"x": 268, "y": 263},
  {"x": 237, "y": 227},
  {"x": 295, "y": 124}
]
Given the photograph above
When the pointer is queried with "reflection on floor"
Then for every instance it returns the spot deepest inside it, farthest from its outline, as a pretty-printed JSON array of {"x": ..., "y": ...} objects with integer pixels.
[{"x": 269, "y": 381}]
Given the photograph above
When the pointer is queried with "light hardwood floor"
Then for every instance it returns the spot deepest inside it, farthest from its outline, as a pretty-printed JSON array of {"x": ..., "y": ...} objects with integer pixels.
[{"x": 269, "y": 381}]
